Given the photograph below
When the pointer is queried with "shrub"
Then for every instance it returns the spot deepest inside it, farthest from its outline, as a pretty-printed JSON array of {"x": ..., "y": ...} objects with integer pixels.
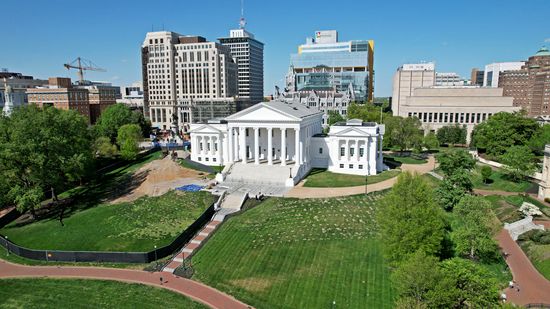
[
  {"x": 547, "y": 199},
  {"x": 486, "y": 173}
]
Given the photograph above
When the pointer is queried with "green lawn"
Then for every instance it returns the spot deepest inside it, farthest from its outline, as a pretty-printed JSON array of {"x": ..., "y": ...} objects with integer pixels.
[
  {"x": 290, "y": 253},
  {"x": 137, "y": 226},
  {"x": 499, "y": 182},
  {"x": 505, "y": 211},
  {"x": 77, "y": 293},
  {"x": 412, "y": 159},
  {"x": 321, "y": 178},
  {"x": 539, "y": 255}
]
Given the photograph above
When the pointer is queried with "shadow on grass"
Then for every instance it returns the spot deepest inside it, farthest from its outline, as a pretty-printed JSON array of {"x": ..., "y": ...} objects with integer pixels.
[{"x": 110, "y": 185}]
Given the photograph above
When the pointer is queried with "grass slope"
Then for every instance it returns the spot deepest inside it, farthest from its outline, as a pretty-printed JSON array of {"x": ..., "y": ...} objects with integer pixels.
[
  {"x": 499, "y": 182},
  {"x": 410, "y": 159},
  {"x": 321, "y": 178},
  {"x": 137, "y": 226},
  {"x": 290, "y": 253},
  {"x": 77, "y": 293}
]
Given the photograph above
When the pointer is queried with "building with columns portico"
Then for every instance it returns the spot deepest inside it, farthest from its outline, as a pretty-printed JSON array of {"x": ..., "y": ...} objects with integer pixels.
[{"x": 278, "y": 142}]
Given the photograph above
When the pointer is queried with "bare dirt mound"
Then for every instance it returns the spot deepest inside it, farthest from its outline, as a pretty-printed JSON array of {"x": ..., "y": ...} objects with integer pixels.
[{"x": 160, "y": 176}]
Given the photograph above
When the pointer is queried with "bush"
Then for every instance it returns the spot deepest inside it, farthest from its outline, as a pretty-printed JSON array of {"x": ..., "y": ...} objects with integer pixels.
[
  {"x": 547, "y": 199},
  {"x": 486, "y": 172}
]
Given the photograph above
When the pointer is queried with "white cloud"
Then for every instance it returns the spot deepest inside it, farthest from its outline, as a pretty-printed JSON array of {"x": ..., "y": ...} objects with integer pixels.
[{"x": 547, "y": 40}]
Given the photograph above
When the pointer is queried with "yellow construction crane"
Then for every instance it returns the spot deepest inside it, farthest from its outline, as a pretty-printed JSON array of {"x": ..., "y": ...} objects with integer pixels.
[{"x": 81, "y": 65}]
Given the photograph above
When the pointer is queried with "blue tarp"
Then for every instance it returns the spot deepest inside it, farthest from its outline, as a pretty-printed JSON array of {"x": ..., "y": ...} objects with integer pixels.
[{"x": 190, "y": 188}]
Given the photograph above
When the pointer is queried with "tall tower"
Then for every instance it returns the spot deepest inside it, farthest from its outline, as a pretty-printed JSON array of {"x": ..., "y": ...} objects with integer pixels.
[{"x": 249, "y": 56}]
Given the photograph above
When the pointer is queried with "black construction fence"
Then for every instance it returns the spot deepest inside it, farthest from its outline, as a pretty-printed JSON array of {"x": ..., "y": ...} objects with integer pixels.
[{"x": 110, "y": 257}]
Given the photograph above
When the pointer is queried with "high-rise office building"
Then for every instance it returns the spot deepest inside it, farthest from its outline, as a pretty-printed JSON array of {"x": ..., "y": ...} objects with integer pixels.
[
  {"x": 530, "y": 85},
  {"x": 182, "y": 74},
  {"x": 448, "y": 79},
  {"x": 249, "y": 56},
  {"x": 493, "y": 70},
  {"x": 324, "y": 63},
  {"x": 407, "y": 78}
]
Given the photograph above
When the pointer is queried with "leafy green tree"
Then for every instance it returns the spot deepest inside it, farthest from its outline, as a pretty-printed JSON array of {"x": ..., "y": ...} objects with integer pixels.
[
  {"x": 104, "y": 148},
  {"x": 410, "y": 219},
  {"x": 503, "y": 130},
  {"x": 540, "y": 139},
  {"x": 486, "y": 172},
  {"x": 519, "y": 162},
  {"x": 452, "y": 134},
  {"x": 406, "y": 133},
  {"x": 451, "y": 161},
  {"x": 117, "y": 115},
  {"x": 334, "y": 117},
  {"x": 464, "y": 284},
  {"x": 430, "y": 141},
  {"x": 127, "y": 139},
  {"x": 144, "y": 124},
  {"x": 368, "y": 112},
  {"x": 415, "y": 278},
  {"x": 473, "y": 229},
  {"x": 453, "y": 188},
  {"x": 41, "y": 150}
]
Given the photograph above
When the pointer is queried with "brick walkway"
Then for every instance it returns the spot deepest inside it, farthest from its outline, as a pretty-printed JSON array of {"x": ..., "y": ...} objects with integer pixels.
[
  {"x": 534, "y": 288},
  {"x": 192, "y": 289},
  {"x": 299, "y": 191}
]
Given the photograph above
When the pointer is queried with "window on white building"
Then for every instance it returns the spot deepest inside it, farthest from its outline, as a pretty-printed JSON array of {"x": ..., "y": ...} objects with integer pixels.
[
  {"x": 342, "y": 151},
  {"x": 360, "y": 166},
  {"x": 215, "y": 146},
  {"x": 341, "y": 165},
  {"x": 200, "y": 146},
  {"x": 351, "y": 151},
  {"x": 351, "y": 166},
  {"x": 320, "y": 150},
  {"x": 361, "y": 152}
]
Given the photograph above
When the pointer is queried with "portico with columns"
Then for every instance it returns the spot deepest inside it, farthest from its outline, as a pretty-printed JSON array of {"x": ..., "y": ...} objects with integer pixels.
[{"x": 280, "y": 142}]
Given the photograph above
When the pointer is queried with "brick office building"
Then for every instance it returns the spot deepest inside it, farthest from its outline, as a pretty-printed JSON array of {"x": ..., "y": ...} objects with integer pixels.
[
  {"x": 530, "y": 85},
  {"x": 60, "y": 93}
]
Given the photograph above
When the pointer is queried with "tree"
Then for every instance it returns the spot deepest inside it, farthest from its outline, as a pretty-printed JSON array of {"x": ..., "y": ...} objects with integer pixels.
[
  {"x": 503, "y": 130},
  {"x": 104, "y": 148},
  {"x": 127, "y": 139},
  {"x": 334, "y": 117},
  {"x": 452, "y": 134},
  {"x": 430, "y": 141},
  {"x": 409, "y": 219},
  {"x": 117, "y": 115},
  {"x": 41, "y": 150},
  {"x": 473, "y": 228},
  {"x": 406, "y": 133},
  {"x": 453, "y": 188},
  {"x": 519, "y": 162},
  {"x": 540, "y": 139},
  {"x": 451, "y": 161},
  {"x": 415, "y": 277},
  {"x": 464, "y": 284},
  {"x": 486, "y": 172},
  {"x": 368, "y": 112}
]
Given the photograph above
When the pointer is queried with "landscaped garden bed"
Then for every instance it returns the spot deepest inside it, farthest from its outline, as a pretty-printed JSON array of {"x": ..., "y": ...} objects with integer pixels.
[
  {"x": 321, "y": 178},
  {"x": 78, "y": 293},
  {"x": 290, "y": 253}
]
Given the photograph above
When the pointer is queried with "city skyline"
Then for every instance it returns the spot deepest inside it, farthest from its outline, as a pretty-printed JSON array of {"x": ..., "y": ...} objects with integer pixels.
[{"x": 402, "y": 32}]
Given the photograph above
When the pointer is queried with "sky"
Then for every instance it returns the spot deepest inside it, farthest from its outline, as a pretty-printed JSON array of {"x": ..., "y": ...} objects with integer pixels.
[{"x": 38, "y": 36}]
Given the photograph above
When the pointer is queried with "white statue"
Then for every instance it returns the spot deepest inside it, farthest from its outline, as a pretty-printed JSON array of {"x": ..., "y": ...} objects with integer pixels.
[{"x": 8, "y": 98}]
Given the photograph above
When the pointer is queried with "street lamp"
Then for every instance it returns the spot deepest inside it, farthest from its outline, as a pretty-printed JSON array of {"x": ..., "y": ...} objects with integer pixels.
[
  {"x": 7, "y": 246},
  {"x": 155, "y": 253}
]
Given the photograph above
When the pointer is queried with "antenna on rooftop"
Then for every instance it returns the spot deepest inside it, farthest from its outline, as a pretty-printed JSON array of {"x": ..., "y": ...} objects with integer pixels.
[{"x": 242, "y": 21}]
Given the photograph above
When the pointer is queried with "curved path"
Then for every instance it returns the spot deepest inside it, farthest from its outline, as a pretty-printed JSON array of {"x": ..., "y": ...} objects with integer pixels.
[
  {"x": 299, "y": 191},
  {"x": 192, "y": 289},
  {"x": 534, "y": 288}
]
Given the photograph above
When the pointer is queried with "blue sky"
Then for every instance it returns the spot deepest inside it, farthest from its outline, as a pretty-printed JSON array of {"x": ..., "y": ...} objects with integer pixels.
[{"x": 37, "y": 37}]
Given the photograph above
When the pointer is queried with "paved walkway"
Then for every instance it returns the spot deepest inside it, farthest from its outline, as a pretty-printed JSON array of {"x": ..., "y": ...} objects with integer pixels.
[
  {"x": 192, "y": 289},
  {"x": 299, "y": 191},
  {"x": 534, "y": 288}
]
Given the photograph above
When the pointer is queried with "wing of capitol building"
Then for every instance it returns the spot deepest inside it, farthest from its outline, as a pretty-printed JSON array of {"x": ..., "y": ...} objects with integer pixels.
[{"x": 279, "y": 142}]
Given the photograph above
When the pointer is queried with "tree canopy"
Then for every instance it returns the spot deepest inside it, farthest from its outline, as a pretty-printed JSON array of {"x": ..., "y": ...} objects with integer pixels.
[
  {"x": 117, "y": 115},
  {"x": 503, "y": 130},
  {"x": 128, "y": 138},
  {"x": 519, "y": 162},
  {"x": 410, "y": 219},
  {"x": 404, "y": 133},
  {"x": 452, "y": 134},
  {"x": 41, "y": 150},
  {"x": 334, "y": 117},
  {"x": 451, "y": 161}
]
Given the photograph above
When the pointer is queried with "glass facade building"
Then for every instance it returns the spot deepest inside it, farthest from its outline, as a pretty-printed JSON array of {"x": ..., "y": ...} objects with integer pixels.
[{"x": 333, "y": 65}]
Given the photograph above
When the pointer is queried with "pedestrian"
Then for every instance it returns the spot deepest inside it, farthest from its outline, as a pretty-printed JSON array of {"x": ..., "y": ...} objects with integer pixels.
[
  {"x": 511, "y": 284},
  {"x": 161, "y": 281},
  {"x": 517, "y": 287}
]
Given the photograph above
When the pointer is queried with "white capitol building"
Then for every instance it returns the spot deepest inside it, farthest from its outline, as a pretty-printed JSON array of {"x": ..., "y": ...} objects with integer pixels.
[{"x": 249, "y": 144}]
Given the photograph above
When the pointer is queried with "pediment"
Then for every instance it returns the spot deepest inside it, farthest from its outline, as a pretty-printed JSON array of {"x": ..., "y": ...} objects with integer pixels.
[
  {"x": 261, "y": 112},
  {"x": 351, "y": 132},
  {"x": 205, "y": 129}
]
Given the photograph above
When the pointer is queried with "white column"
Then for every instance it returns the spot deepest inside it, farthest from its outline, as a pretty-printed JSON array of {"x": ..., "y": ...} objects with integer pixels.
[
  {"x": 372, "y": 155},
  {"x": 380, "y": 162},
  {"x": 212, "y": 141},
  {"x": 269, "y": 146},
  {"x": 230, "y": 145},
  {"x": 283, "y": 147},
  {"x": 236, "y": 145},
  {"x": 357, "y": 150},
  {"x": 348, "y": 157},
  {"x": 297, "y": 146},
  {"x": 256, "y": 146},
  {"x": 242, "y": 135}
]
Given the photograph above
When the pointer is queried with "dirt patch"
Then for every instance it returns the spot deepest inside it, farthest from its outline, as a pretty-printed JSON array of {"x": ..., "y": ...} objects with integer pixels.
[{"x": 158, "y": 177}]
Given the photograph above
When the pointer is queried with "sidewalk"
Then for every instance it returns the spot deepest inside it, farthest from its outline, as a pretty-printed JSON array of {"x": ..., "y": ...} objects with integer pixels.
[
  {"x": 299, "y": 191},
  {"x": 192, "y": 289}
]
